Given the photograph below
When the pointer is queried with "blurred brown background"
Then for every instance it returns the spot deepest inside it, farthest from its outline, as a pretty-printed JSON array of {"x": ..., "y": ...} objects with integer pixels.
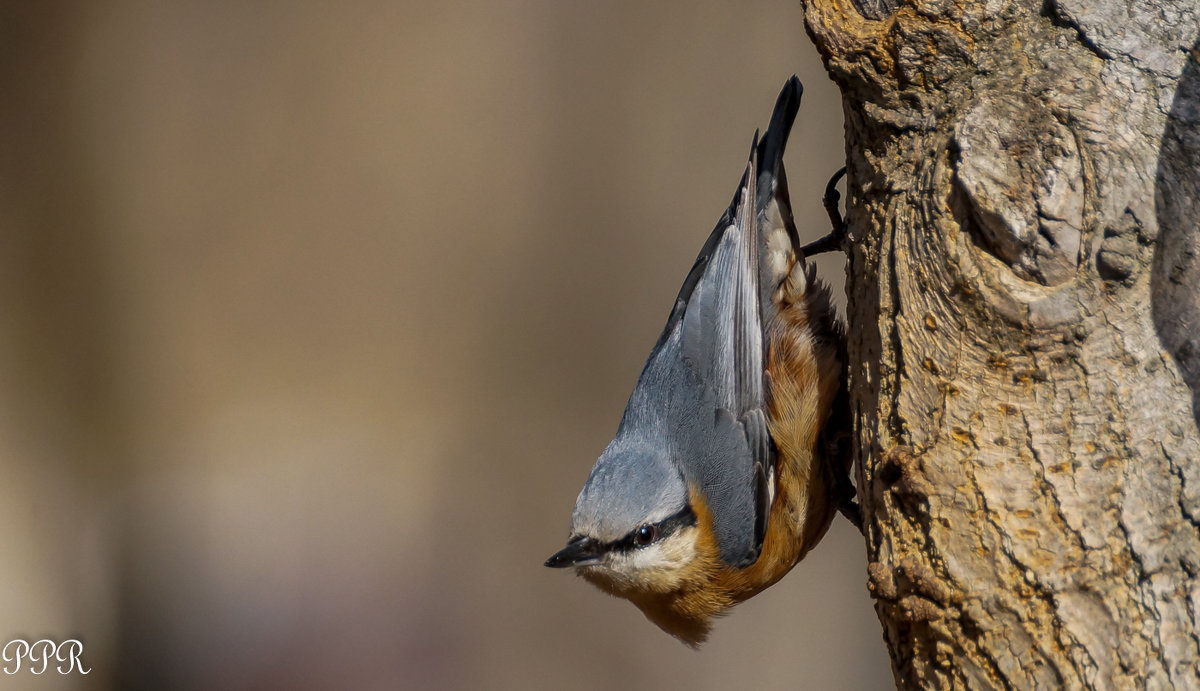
[{"x": 314, "y": 320}]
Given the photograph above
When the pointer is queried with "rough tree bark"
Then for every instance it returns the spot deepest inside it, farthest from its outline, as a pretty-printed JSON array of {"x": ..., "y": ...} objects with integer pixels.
[{"x": 1024, "y": 308}]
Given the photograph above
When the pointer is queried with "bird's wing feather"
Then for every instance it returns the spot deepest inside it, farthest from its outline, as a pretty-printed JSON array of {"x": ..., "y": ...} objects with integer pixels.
[{"x": 721, "y": 346}]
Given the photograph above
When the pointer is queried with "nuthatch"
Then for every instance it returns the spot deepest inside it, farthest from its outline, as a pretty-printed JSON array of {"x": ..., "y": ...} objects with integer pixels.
[{"x": 717, "y": 482}]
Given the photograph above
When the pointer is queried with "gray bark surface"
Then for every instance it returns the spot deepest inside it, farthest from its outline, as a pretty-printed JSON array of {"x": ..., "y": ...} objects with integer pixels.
[{"x": 1024, "y": 310}]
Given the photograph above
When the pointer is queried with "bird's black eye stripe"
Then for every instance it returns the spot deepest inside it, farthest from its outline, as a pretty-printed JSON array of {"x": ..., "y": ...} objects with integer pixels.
[{"x": 647, "y": 534}]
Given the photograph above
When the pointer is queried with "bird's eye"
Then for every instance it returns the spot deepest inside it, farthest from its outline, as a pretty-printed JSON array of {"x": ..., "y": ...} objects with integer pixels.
[{"x": 645, "y": 535}]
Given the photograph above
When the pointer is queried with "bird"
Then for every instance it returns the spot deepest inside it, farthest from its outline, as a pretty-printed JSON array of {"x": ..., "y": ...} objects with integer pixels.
[{"x": 721, "y": 475}]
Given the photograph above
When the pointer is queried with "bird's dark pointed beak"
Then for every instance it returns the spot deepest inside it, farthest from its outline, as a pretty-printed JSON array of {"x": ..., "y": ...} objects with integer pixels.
[{"x": 578, "y": 551}]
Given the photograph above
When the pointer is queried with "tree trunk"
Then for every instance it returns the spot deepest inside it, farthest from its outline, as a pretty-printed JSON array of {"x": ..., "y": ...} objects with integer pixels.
[{"x": 1024, "y": 310}]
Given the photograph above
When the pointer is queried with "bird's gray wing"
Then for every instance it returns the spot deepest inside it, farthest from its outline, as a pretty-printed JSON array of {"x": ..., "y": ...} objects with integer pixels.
[{"x": 721, "y": 344}]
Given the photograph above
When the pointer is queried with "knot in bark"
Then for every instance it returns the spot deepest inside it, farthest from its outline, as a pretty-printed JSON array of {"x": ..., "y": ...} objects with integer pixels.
[{"x": 1020, "y": 176}]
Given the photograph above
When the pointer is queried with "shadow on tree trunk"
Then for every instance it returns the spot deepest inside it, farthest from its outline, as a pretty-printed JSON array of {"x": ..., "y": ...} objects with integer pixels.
[{"x": 1176, "y": 278}]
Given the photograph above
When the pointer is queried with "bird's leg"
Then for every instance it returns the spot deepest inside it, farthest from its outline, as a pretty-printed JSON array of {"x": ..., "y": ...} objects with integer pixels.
[
  {"x": 836, "y": 239},
  {"x": 846, "y": 502},
  {"x": 836, "y": 445},
  {"x": 837, "y": 448}
]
